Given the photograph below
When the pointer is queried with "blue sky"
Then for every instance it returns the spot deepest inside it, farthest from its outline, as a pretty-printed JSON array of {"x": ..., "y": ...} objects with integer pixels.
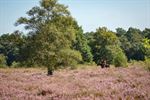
[{"x": 90, "y": 14}]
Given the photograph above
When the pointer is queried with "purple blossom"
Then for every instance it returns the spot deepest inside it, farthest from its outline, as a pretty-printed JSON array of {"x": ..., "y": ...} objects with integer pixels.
[{"x": 88, "y": 84}]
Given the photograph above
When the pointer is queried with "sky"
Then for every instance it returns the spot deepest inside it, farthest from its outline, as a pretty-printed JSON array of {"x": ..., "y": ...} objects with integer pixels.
[{"x": 90, "y": 14}]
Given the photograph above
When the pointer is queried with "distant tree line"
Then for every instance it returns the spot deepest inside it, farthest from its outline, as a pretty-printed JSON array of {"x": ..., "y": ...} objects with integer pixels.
[{"x": 56, "y": 40}]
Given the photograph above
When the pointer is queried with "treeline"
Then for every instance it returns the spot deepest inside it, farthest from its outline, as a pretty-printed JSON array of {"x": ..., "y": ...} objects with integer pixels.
[
  {"x": 133, "y": 43},
  {"x": 56, "y": 40}
]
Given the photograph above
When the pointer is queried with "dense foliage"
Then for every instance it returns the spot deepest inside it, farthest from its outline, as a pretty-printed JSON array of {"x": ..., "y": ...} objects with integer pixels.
[
  {"x": 2, "y": 61},
  {"x": 106, "y": 46},
  {"x": 81, "y": 45},
  {"x": 52, "y": 32},
  {"x": 10, "y": 45}
]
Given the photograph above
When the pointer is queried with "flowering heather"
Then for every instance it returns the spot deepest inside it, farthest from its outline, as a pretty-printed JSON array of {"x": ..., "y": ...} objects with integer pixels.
[{"x": 82, "y": 84}]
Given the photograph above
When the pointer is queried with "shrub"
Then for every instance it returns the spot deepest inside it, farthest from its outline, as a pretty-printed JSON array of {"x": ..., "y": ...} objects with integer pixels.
[
  {"x": 117, "y": 56},
  {"x": 69, "y": 57},
  {"x": 15, "y": 64},
  {"x": 147, "y": 64},
  {"x": 2, "y": 60},
  {"x": 120, "y": 60}
]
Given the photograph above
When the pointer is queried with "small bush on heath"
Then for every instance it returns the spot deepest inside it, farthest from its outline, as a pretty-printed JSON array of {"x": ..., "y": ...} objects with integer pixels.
[{"x": 2, "y": 61}]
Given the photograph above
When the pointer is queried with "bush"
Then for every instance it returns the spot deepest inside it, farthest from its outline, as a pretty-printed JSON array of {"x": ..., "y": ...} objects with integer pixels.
[
  {"x": 15, "y": 64},
  {"x": 2, "y": 61},
  {"x": 147, "y": 64},
  {"x": 117, "y": 56},
  {"x": 69, "y": 57},
  {"x": 120, "y": 60}
]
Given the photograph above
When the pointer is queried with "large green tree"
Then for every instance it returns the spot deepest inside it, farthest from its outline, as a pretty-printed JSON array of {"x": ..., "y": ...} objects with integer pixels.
[
  {"x": 132, "y": 44},
  {"x": 106, "y": 45},
  {"x": 125, "y": 43},
  {"x": 10, "y": 45},
  {"x": 51, "y": 33}
]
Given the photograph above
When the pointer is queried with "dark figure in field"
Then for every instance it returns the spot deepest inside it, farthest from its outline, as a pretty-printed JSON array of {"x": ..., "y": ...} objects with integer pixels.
[
  {"x": 104, "y": 64},
  {"x": 50, "y": 72}
]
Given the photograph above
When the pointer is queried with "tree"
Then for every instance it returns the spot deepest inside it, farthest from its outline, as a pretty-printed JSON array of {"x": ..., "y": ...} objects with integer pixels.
[
  {"x": 146, "y": 33},
  {"x": 131, "y": 43},
  {"x": 81, "y": 45},
  {"x": 134, "y": 50},
  {"x": 90, "y": 39},
  {"x": 103, "y": 38},
  {"x": 146, "y": 47},
  {"x": 51, "y": 33},
  {"x": 120, "y": 32},
  {"x": 125, "y": 44},
  {"x": 107, "y": 46},
  {"x": 10, "y": 45}
]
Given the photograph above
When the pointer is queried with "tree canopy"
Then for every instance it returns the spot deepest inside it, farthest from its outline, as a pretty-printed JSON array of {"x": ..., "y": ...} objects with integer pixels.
[
  {"x": 52, "y": 32},
  {"x": 106, "y": 45}
]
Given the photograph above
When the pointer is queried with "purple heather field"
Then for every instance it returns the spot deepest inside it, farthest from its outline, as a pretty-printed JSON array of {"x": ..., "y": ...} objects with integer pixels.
[{"x": 131, "y": 83}]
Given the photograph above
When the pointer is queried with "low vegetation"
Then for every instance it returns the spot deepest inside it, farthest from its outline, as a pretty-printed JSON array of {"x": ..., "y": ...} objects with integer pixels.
[{"x": 90, "y": 83}]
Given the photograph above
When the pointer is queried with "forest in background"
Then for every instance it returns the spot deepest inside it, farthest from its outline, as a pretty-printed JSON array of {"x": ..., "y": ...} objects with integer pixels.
[{"x": 55, "y": 40}]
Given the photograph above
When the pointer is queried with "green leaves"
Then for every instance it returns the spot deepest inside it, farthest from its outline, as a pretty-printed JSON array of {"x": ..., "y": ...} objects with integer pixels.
[
  {"x": 106, "y": 45},
  {"x": 22, "y": 20},
  {"x": 69, "y": 57},
  {"x": 146, "y": 43},
  {"x": 118, "y": 57},
  {"x": 52, "y": 33},
  {"x": 10, "y": 45},
  {"x": 106, "y": 37},
  {"x": 146, "y": 47},
  {"x": 48, "y": 4},
  {"x": 131, "y": 43},
  {"x": 2, "y": 61},
  {"x": 81, "y": 45}
]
